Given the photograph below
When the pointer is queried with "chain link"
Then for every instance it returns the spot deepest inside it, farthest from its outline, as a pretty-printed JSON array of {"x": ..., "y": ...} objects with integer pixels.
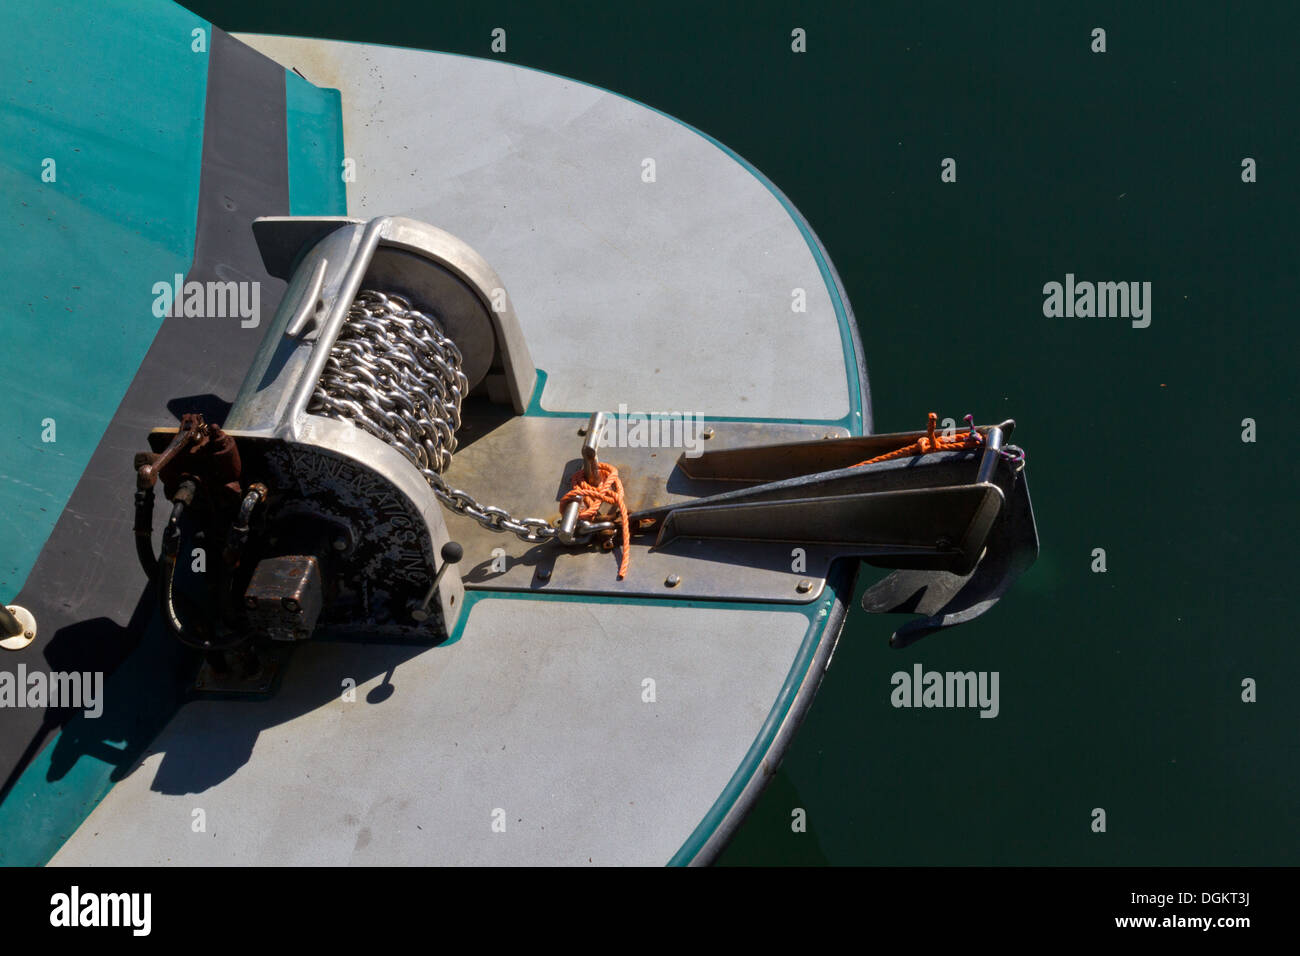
[
  {"x": 1015, "y": 457},
  {"x": 393, "y": 373}
]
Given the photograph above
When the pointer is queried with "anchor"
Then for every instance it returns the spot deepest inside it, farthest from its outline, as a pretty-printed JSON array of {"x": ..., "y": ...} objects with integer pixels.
[
  {"x": 389, "y": 385},
  {"x": 953, "y": 517}
]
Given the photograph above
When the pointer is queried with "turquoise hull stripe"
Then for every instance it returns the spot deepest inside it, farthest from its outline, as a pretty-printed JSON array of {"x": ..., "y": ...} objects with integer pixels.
[
  {"x": 535, "y": 408},
  {"x": 811, "y": 611},
  {"x": 314, "y": 129},
  {"x": 137, "y": 177},
  {"x": 99, "y": 188}
]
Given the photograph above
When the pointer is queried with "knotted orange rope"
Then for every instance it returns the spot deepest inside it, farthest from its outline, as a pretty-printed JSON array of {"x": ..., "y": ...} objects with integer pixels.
[
  {"x": 610, "y": 490},
  {"x": 927, "y": 443}
]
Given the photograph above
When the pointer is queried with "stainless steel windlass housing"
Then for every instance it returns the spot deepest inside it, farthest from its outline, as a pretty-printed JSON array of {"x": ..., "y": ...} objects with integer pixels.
[{"x": 386, "y": 524}]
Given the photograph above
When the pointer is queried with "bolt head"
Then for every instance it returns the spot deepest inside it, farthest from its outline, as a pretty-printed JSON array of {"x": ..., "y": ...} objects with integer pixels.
[
  {"x": 340, "y": 544},
  {"x": 291, "y": 605},
  {"x": 673, "y": 580},
  {"x": 804, "y": 586},
  {"x": 707, "y": 433}
]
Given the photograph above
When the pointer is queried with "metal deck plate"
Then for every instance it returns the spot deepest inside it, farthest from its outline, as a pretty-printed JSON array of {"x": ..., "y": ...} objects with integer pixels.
[{"x": 528, "y": 460}]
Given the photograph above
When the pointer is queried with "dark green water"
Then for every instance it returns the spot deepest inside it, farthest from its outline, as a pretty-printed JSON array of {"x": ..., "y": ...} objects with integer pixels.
[{"x": 1119, "y": 690}]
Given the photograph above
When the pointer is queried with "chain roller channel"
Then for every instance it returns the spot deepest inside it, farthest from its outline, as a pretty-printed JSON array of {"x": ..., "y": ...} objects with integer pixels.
[{"x": 393, "y": 373}]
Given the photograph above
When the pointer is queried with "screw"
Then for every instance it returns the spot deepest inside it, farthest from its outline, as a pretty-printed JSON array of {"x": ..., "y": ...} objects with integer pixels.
[
  {"x": 340, "y": 544},
  {"x": 707, "y": 433},
  {"x": 582, "y": 430},
  {"x": 673, "y": 580},
  {"x": 291, "y": 604},
  {"x": 804, "y": 586},
  {"x": 29, "y": 634}
]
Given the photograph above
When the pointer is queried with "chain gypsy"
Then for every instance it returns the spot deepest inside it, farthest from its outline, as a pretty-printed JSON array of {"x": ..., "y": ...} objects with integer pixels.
[{"x": 394, "y": 373}]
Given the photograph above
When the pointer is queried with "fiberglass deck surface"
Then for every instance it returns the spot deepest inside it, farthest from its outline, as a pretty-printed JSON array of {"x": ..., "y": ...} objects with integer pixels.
[
  {"x": 683, "y": 287},
  {"x": 536, "y": 717},
  {"x": 536, "y": 712}
]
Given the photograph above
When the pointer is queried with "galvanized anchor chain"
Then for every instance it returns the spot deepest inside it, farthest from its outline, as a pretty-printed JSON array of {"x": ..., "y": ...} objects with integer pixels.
[{"x": 394, "y": 373}]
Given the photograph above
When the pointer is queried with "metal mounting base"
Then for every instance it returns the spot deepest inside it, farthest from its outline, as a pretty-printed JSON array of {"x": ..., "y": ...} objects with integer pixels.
[
  {"x": 28, "y": 633},
  {"x": 526, "y": 461},
  {"x": 271, "y": 659}
]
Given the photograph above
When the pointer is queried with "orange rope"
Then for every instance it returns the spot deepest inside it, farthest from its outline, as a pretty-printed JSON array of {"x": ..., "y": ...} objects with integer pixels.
[
  {"x": 610, "y": 490},
  {"x": 927, "y": 443}
]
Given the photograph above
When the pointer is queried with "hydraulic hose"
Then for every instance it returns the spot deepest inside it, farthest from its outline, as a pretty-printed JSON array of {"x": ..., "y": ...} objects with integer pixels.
[{"x": 166, "y": 567}]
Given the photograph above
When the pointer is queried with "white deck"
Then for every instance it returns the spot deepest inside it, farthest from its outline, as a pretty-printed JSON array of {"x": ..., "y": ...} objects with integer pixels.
[
  {"x": 536, "y": 711},
  {"x": 674, "y": 295}
]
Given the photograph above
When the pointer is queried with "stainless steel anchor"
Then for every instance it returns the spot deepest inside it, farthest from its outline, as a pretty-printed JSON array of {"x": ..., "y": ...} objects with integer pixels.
[{"x": 957, "y": 524}]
